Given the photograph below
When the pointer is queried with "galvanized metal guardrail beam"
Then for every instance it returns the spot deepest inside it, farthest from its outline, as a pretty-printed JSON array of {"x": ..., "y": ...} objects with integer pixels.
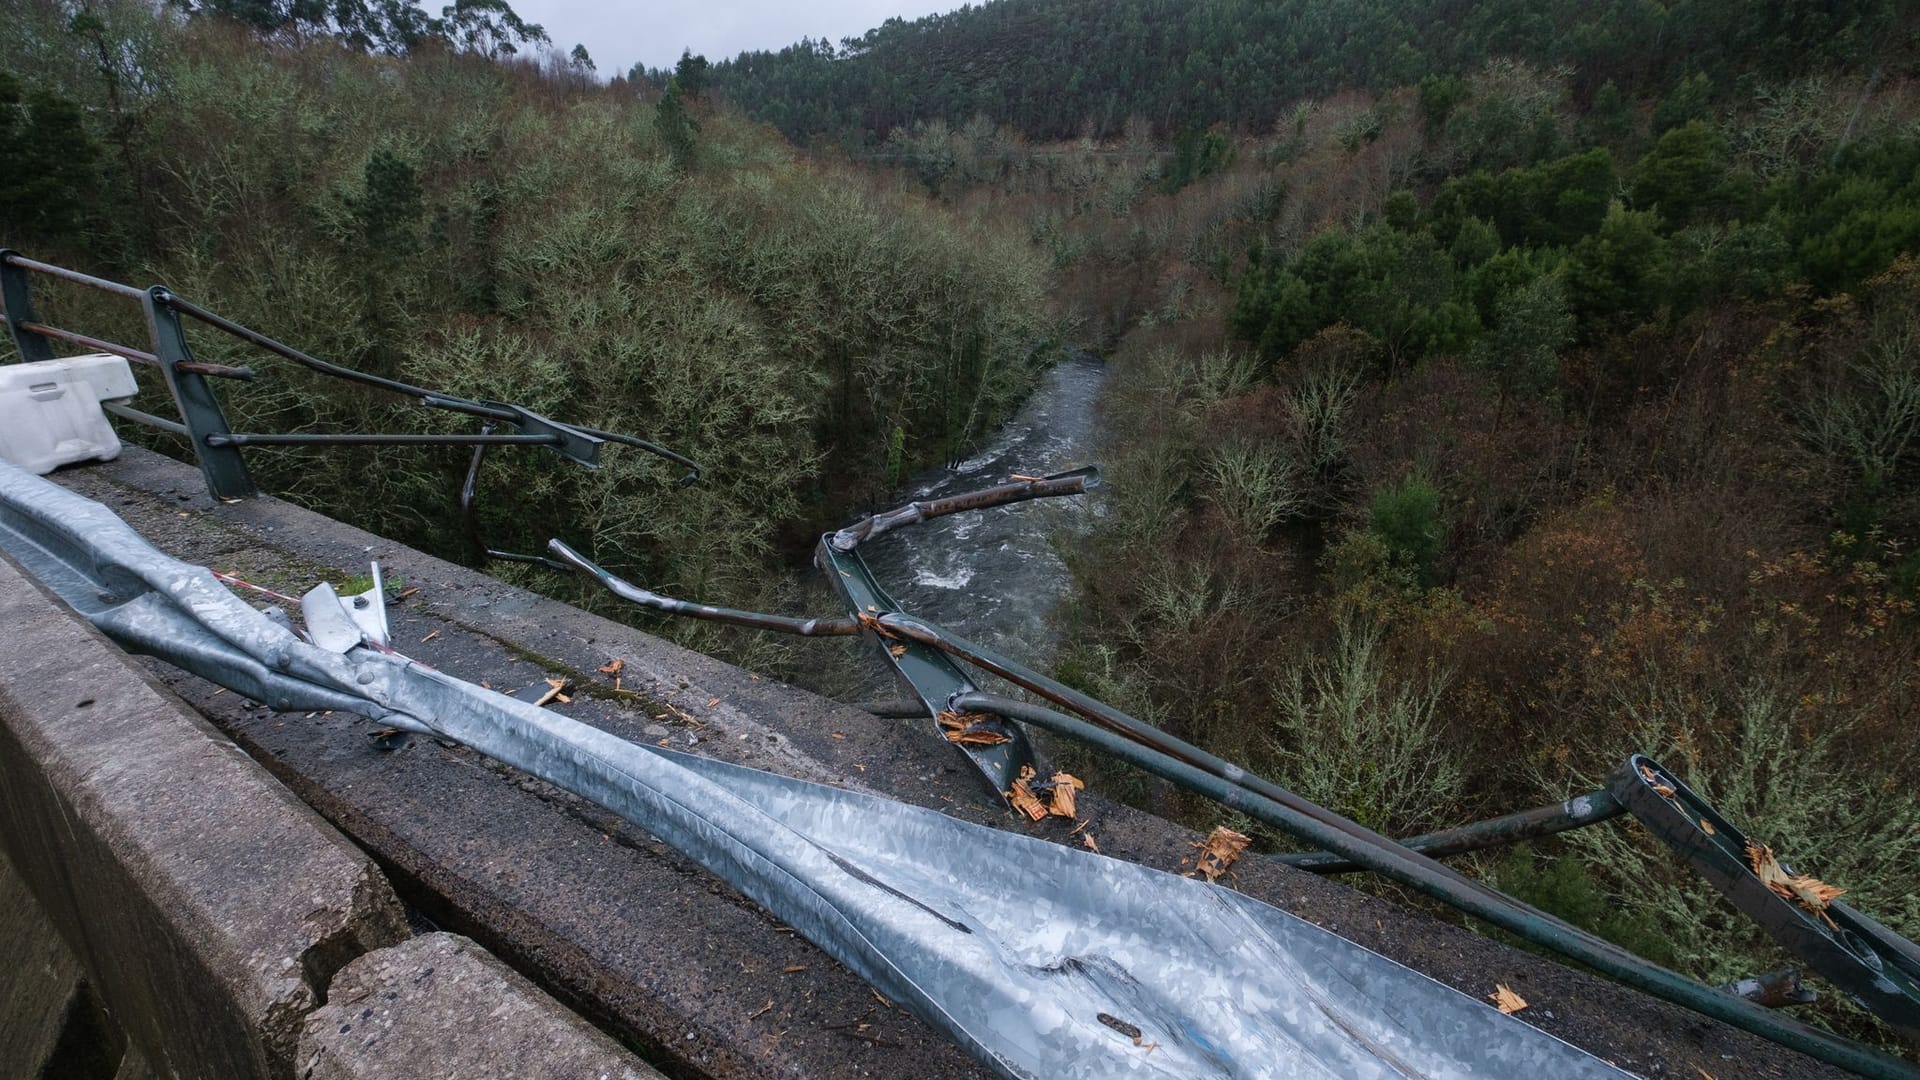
[{"x": 1043, "y": 960}]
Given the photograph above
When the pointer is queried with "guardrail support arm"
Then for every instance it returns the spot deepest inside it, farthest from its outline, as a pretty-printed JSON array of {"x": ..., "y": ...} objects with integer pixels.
[{"x": 222, "y": 465}]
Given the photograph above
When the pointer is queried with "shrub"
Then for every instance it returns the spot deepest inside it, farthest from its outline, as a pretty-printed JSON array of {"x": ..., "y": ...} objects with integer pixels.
[
  {"x": 1256, "y": 486},
  {"x": 1406, "y": 518},
  {"x": 1360, "y": 741},
  {"x": 1781, "y": 774},
  {"x": 1867, "y": 416}
]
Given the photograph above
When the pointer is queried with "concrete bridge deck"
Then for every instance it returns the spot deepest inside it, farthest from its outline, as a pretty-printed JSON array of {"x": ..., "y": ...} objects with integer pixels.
[{"x": 639, "y": 942}]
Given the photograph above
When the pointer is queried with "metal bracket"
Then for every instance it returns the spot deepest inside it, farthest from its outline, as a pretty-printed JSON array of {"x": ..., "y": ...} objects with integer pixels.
[
  {"x": 337, "y": 623},
  {"x": 575, "y": 445},
  {"x": 927, "y": 672},
  {"x": 1877, "y": 967}
]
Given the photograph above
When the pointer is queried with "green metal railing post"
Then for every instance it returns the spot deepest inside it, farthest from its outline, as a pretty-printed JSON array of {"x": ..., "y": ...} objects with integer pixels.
[
  {"x": 18, "y": 296},
  {"x": 226, "y": 473}
]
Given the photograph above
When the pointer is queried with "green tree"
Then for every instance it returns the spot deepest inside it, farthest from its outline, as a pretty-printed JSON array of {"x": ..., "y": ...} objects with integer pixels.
[
  {"x": 1619, "y": 272},
  {"x": 1401, "y": 210},
  {"x": 1684, "y": 173},
  {"x": 1610, "y": 119},
  {"x": 390, "y": 207},
  {"x": 1531, "y": 326},
  {"x": 1275, "y": 310},
  {"x": 1690, "y": 100},
  {"x": 1439, "y": 96},
  {"x": 677, "y": 127},
  {"x": 691, "y": 72},
  {"x": 47, "y": 159},
  {"x": 488, "y": 27},
  {"x": 1556, "y": 202},
  {"x": 1406, "y": 518},
  {"x": 1197, "y": 154},
  {"x": 1475, "y": 242}
]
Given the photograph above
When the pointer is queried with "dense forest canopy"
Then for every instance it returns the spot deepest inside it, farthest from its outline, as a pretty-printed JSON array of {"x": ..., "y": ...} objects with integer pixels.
[{"x": 1062, "y": 68}]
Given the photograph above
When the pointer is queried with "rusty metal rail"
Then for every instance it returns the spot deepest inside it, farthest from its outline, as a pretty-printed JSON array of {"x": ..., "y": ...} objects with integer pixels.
[{"x": 1019, "y": 489}]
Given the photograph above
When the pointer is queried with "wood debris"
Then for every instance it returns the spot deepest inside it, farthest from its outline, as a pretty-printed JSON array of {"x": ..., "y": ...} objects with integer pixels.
[
  {"x": 407, "y": 593},
  {"x": 1086, "y": 841},
  {"x": 1809, "y": 892},
  {"x": 1660, "y": 787},
  {"x": 1023, "y": 798},
  {"x": 1025, "y": 479},
  {"x": 1064, "y": 785},
  {"x": 1131, "y": 1031},
  {"x": 896, "y": 651},
  {"x": 1223, "y": 848},
  {"x": 1506, "y": 1000},
  {"x": 964, "y": 729},
  {"x": 793, "y": 969},
  {"x": 556, "y": 691},
  {"x": 1706, "y": 826},
  {"x": 431, "y": 634},
  {"x": 613, "y": 667},
  {"x": 762, "y": 1011}
]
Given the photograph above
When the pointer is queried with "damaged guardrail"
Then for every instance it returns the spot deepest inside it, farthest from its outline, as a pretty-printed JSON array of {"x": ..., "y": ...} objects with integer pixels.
[
  {"x": 216, "y": 448},
  {"x": 1093, "y": 967},
  {"x": 921, "y": 653}
]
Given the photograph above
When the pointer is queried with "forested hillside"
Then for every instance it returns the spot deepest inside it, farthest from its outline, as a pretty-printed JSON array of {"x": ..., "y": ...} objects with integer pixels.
[
  {"x": 1055, "y": 69},
  {"x": 1496, "y": 389},
  {"x": 510, "y": 230}
]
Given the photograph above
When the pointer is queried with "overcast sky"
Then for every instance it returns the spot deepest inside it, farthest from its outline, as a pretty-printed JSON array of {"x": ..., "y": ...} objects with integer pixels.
[{"x": 619, "y": 33}]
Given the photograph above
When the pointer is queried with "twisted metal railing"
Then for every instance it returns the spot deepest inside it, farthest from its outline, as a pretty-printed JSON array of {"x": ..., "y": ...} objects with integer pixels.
[
  {"x": 1872, "y": 964},
  {"x": 217, "y": 448}
]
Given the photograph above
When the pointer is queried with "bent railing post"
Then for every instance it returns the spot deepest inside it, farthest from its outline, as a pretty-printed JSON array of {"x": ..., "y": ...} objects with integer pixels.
[
  {"x": 221, "y": 464},
  {"x": 1874, "y": 966},
  {"x": 566, "y": 558}
]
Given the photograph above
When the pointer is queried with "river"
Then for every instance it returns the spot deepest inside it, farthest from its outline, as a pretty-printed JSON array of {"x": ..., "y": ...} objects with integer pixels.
[{"x": 995, "y": 575}]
